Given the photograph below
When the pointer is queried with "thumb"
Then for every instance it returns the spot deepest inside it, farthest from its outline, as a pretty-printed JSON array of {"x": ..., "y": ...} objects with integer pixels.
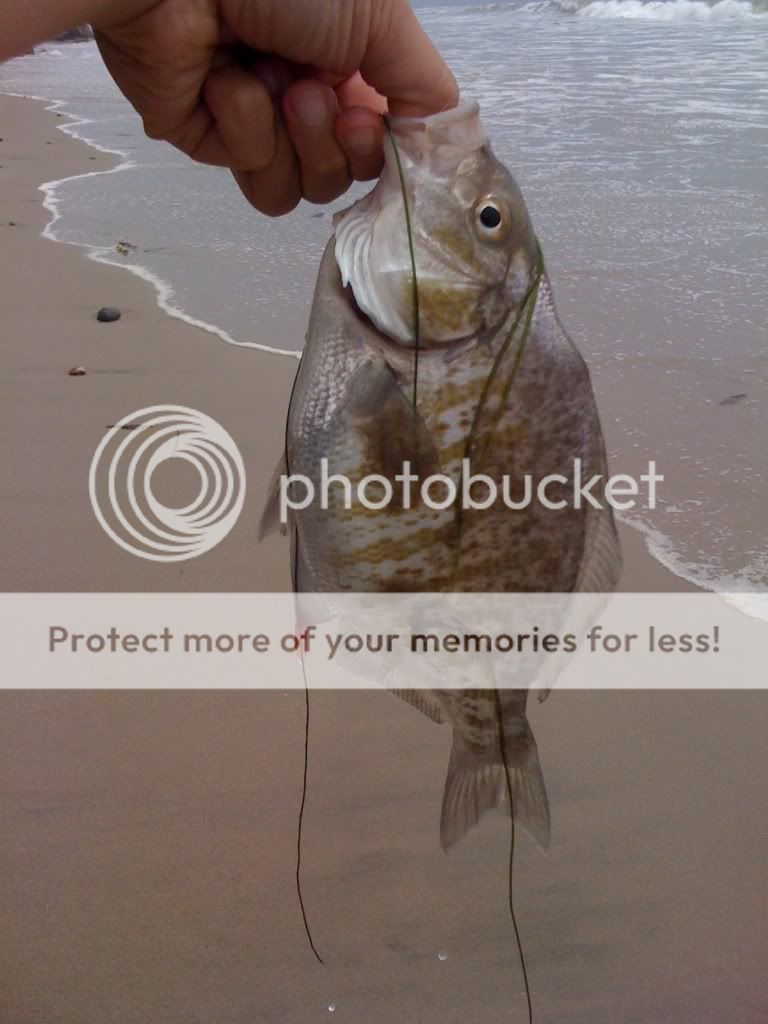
[{"x": 402, "y": 64}]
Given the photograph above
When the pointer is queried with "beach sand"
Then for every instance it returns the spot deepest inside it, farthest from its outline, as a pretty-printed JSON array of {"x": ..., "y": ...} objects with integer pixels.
[
  {"x": 147, "y": 849},
  {"x": 50, "y": 423}
]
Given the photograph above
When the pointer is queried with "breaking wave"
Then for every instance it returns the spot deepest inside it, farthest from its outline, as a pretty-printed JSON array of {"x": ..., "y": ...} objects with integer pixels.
[
  {"x": 644, "y": 10},
  {"x": 665, "y": 10}
]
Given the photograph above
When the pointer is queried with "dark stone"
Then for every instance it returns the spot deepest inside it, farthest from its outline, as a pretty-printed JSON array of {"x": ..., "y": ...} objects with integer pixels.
[{"x": 108, "y": 314}]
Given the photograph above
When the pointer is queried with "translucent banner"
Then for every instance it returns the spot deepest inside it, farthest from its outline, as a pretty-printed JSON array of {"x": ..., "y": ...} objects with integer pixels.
[{"x": 396, "y": 641}]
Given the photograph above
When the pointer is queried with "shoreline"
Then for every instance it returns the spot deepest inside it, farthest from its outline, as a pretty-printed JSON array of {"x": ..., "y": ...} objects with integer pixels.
[
  {"x": 182, "y": 339},
  {"x": 101, "y": 254},
  {"x": 52, "y": 423}
]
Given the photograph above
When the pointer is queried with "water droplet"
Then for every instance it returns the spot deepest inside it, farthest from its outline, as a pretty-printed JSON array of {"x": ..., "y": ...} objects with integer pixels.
[{"x": 442, "y": 955}]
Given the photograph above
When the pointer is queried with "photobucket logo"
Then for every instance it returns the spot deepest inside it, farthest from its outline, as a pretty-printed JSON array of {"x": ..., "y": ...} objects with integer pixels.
[
  {"x": 474, "y": 491},
  {"x": 122, "y": 483}
]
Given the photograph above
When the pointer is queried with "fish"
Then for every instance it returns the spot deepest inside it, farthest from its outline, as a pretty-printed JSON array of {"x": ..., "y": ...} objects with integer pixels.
[{"x": 471, "y": 367}]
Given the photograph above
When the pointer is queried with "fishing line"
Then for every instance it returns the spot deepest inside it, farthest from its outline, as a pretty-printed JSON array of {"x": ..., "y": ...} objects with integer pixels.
[
  {"x": 508, "y": 777},
  {"x": 301, "y": 810},
  {"x": 412, "y": 255},
  {"x": 527, "y": 308},
  {"x": 305, "y": 773}
]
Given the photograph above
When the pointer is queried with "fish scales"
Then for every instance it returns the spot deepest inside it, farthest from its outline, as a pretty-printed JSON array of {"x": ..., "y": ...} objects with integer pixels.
[{"x": 499, "y": 383}]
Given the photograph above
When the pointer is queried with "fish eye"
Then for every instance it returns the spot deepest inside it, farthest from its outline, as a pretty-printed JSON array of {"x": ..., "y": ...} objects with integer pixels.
[{"x": 492, "y": 219}]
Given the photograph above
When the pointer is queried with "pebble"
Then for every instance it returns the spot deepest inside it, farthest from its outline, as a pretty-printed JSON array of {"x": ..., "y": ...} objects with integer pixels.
[
  {"x": 77, "y": 371},
  {"x": 108, "y": 315}
]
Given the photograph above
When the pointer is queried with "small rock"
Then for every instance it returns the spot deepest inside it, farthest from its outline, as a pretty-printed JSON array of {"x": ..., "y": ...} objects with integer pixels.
[
  {"x": 124, "y": 247},
  {"x": 108, "y": 315},
  {"x": 77, "y": 371}
]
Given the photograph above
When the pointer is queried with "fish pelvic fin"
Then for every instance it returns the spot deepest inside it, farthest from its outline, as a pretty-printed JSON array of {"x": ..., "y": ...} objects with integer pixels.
[
  {"x": 270, "y": 517},
  {"x": 476, "y": 783}
]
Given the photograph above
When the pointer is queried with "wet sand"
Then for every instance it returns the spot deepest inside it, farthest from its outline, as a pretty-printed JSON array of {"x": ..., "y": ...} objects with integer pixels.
[{"x": 147, "y": 852}]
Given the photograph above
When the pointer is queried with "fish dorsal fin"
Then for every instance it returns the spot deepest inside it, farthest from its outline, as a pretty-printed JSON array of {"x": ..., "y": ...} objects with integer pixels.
[
  {"x": 475, "y": 784},
  {"x": 270, "y": 517}
]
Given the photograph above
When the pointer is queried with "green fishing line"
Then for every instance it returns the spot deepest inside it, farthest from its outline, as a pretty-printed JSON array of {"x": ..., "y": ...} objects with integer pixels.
[
  {"x": 526, "y": 308},
  {"x": 305, "y": 772},
  {"x": 412, "y": 254},
  {"x": 510, "y": 891}
]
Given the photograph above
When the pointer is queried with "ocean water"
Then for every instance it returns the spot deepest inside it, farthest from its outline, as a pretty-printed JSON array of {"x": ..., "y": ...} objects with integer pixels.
[{"x": 638, "y": 130}]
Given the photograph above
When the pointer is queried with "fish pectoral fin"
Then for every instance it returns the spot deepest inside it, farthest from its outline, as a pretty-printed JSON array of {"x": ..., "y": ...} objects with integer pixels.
[
  {"x": 394, "y": 430},
  {"x": 475, "y": 785},
  {"x": 270, "y": 517}
]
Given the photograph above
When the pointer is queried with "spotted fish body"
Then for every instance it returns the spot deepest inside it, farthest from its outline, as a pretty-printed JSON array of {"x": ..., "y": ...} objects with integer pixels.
[{"x": 497, "y": 381}]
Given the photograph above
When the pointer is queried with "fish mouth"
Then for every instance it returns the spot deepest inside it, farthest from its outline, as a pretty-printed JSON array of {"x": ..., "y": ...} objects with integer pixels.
[
  {"x": 437, "y": 141},
  {"x": 463, "y": 111}
]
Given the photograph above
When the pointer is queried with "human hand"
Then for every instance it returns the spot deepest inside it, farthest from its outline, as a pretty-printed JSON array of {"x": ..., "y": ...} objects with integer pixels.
[{"x": 286, "y": 93}]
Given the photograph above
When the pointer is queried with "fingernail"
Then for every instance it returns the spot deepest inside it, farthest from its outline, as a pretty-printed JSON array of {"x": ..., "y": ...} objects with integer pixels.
[{"x": 310, "y": 108}]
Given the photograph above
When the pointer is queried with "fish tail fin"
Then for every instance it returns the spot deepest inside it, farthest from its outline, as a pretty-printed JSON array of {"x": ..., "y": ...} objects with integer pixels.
[
  {"x": 475, "y": 785},
  {"x": 529, "y": 792}
]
